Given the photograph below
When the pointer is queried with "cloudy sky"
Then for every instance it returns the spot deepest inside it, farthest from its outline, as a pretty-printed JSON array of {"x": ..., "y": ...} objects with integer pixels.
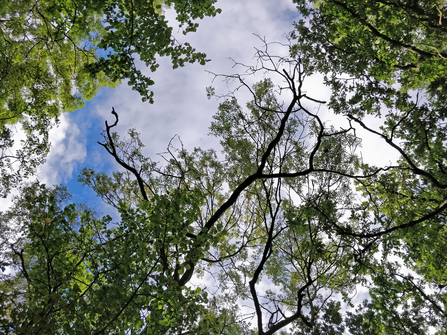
[{"x": 181, "y": 106}]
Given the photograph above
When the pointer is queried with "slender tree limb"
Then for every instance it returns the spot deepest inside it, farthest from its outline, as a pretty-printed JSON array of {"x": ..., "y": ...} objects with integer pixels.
[{"x": 112, "y": 151}]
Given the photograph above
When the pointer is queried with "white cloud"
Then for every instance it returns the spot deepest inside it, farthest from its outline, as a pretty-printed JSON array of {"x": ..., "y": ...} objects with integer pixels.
[{"x": 67, "y": 151}]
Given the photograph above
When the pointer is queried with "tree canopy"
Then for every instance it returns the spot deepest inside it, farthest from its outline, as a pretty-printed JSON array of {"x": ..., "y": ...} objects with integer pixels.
[
  {"x": 57, "y": 54},
  {"x": 288, "y": 222}
]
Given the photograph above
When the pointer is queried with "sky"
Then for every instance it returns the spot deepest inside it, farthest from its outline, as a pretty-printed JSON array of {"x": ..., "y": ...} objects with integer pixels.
[{"x": 181, "y": 106}]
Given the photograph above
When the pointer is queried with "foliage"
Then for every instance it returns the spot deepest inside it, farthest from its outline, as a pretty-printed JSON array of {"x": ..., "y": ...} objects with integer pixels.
[
  {"x": 364, "y": 47},
  {"x": 21, "y": 163},
  {"x": 74, "y": 271},
  {"x": 51, "y": 60},
  {"x": 388, "y": 59},
  {"x": 280, "y": 207},
  {"x": 279, "y": 232}
]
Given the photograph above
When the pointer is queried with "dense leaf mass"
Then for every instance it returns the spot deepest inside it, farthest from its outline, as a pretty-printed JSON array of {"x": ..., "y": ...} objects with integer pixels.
[{"x": 283, "y": 232}]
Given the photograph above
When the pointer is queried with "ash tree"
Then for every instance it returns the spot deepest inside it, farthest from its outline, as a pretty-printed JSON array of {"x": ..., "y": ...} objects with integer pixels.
[{"x": 276, "y": 235}]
